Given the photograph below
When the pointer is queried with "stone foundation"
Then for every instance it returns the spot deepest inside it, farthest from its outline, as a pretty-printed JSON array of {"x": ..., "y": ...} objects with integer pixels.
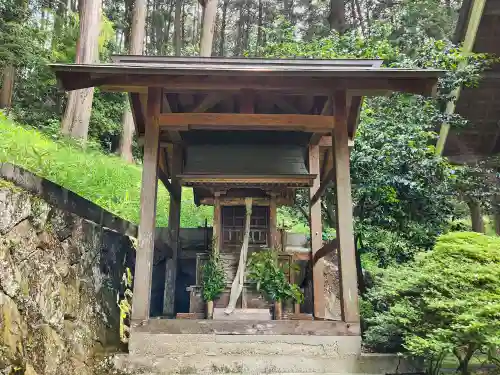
[{"x": 162, "y": 354}]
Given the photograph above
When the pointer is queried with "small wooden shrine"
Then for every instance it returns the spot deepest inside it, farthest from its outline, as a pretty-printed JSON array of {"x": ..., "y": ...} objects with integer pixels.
[{"x": 238, "y": 128}]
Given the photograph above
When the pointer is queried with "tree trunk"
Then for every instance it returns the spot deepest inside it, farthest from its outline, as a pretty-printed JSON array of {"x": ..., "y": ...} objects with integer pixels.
[
  {"x": 360, "y": 17},
  {"x": 259, "y": 25},
  {"x": 337, "y": 16},
  {"x": 310, "y": 21},
  {"x": 496, "y": 220},
  {"x": 222, "y": 39},
  {"x": 207, "y": 33},
  {"x": 9, "y": 74},
  {"x": 137, "y": 33},
  {"x": 476, "y": 216},
  {"x": 239, "y": 32},
  {"x": 169, "y": 22},
  {"x": 246, "y": 28},
  {"x": 77, "y": 115},
  {"x": 177, "y": 28}
]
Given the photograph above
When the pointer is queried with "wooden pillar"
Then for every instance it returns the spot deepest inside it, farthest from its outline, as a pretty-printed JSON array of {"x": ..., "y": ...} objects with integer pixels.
[
  {"x": 146, "y": 233},
  {"x": 316, "y": 235},
  {"x": 217, "y": 224},
  {"x": 273, "y": 227},
  {"x": 345, "y": 231},
  {"x": 174, "y": 220}
]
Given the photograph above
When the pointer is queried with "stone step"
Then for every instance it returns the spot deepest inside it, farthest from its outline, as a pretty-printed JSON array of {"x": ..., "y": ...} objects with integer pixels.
[{"x": 242, "y": 314}]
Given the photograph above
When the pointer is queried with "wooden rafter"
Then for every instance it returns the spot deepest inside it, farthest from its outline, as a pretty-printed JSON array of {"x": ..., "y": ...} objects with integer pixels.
[
  {"x": 283, "y": 104},
  {"x": 327, "y": 108},
  {"x": 324, "y": 184},
  {"x": 314, "y": 123},
  {"x": 326, "y": 157},
  {"x": 247, "y": 101},
  {"x": 208, "y": 102},
  {"x": 299, "y": 180},
  {"x": 164, "y": 174},
  {"x": 316, "y": 138},
  {"x": 174, "y": 135}
]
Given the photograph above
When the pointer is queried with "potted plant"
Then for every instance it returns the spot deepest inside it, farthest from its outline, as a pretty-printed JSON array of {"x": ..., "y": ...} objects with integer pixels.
[
  {"x": 214, "y": 282},
  {"x": 265, "y": 272}
]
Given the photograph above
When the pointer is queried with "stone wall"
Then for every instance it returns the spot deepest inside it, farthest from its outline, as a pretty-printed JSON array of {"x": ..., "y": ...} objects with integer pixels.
[{"x": 60, "y": 278}]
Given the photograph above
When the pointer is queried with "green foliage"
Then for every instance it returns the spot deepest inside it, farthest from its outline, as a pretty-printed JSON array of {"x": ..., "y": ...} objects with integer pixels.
[
  {"x": 479, "y": 183},
  {"x": 214, "y": 278},
  {"x": 106, "y": 180},
  {"x": 37, "y": 101},
  {"x": 20, "y": 40},
  {"x": 447, "y": 301},
  {"x": 125, "y": 305},
  {"x": 401, "y": 188},
  {"x": 403, "y": 192},
  {"x": 270, "y": 278}
]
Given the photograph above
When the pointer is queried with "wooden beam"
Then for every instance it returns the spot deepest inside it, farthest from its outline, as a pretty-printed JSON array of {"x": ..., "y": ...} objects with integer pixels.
[
  {"x": 168, "y": 185},
  {"x": 273, "y": 221},
  {"x": 217, "y": 224},
  {"x": 283, "y": 104},
  {"x": 299, "y": 180},
  {"x": 146, "y": 232},
  {"x": 327, "y": 108},
  {"x": 174, "y": 135},
  {"x": 327, "y": 248},
  {"x": 174, "y": 217},
  {"x": 325, "y": 182},
  {"x": 324, "y": 166},
  {"x": 247, "y": 101},
  {"x": 316, "y": 236},
  {"x": 326, "y": 141},
  {"x": 345, "y": 231},
  {"x": 253, "y": 121},
  {"x": 316, "y": 139},
  {"x": 473, "y": 22},
  {"x": 165, "y": 108},
  {"x": 208, "y": 102}
]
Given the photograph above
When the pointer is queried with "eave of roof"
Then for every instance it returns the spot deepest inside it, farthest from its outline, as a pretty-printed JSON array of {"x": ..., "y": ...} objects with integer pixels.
[{"x": 179, "y": 69}]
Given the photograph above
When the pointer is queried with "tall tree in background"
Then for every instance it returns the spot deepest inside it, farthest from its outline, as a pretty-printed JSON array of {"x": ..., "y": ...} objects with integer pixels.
[
  {"x": 207, "y": 33},
  {"x": 11, "y": 14},
  {"x": 178, "y": 27},
  {"x": 9, "y": 74},
  {"x": 77, "y": 115},
  {"x": 136, "y": 47},
  {"x": 337, "y": 16},
  {"x": 222, "y": 38}
]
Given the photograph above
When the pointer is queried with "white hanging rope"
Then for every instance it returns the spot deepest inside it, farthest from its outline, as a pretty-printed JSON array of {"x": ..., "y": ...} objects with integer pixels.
[{"x": 239, "y": 279}]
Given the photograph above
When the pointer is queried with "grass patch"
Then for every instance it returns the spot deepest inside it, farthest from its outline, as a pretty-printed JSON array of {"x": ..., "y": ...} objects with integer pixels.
[{"x": 104, "y": 179}]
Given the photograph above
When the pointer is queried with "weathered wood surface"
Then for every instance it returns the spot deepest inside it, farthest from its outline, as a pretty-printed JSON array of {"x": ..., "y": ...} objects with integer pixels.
[
  {"x": 248, "y": 327},
  {"x": 295, "y": 180},
  {"x": 174, "y": 217},
  {"x": 146, "y": 232},
  {"x": 345, "y": 231},
  {"x": 316, "y": 234},
  {"x": 274, "y": 242},
  {"x": 191, "y": 316},
  {"x": 184, "y": 121}
]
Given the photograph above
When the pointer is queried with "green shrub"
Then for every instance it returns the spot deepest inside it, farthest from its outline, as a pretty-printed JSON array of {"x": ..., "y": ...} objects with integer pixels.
[
  {"x": 267, "y": 275},
  {"x": 214, "y": 278},
  {"x": 445, "y": 302}
]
